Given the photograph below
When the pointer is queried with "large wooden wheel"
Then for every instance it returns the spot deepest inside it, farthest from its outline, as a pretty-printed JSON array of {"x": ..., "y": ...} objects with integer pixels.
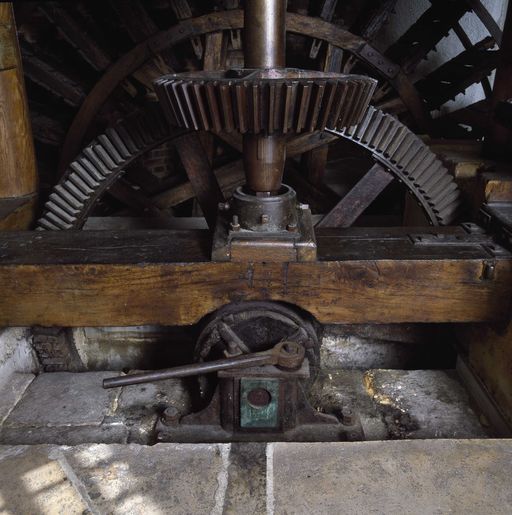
[{"x": 91, "y": 64}]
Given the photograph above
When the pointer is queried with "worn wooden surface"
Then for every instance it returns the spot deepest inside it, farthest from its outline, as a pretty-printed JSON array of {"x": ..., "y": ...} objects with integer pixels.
[
  {"x": 490, "y": 357},
  {"x": 8, "y": 51},
  {"x": 200, "y": 174},
  {"x": 18, "y": 175},
  {"x": 87, "y": 278},
  {"x": 355, "y": 202},
  {"x": 17, "y": 213}
]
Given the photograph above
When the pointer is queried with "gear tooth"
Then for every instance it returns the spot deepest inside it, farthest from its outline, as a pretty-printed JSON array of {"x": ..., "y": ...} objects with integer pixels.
[
  {"x": 116, "y": 139},
  {"x": 448, "y": 214},
  {"x": 447, "y": 201},
  {"x": 56, "y": 220},
  {"x": 72, "y": 189},
  {"x": 91, "y": 169},
  {"x": 406, "y": 146},
  {"x": 59, "y": 212},
  {"x": 46, "y": 225},
  {"x": 84, "y": 175},
  {"x": 411, "y": 160},
  {"x": 250, "y": 104},
  {"x": 80, "y": 184},
  {"x": 442, "y": 187},
  {"x": 132, "y": 146},
  {"x": 58, "y": 199},
  {"x": 110, "y": 148}
]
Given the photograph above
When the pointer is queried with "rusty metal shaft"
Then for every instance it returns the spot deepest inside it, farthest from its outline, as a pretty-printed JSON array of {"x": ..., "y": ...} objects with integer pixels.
[
  {"x": 289, "y": 355},
  {"x": 264, "y": 33},
  {"x": 264, "y": 47}
]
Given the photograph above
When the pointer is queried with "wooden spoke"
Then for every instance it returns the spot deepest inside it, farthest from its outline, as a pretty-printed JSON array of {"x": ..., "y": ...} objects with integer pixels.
[
  {"x": 374, "y": 18},
  {"x": 431, "y": 27},
  {"x": 352, "y": 205},
  {"x": 200, "y": 174},
  {"x": 454, "y": 76},
  {"x": 74, "y": 32},
  {"x": 54, "y": 80},
  {"x": 485, "y": 17},
  {"x": 314, "y": 163}
]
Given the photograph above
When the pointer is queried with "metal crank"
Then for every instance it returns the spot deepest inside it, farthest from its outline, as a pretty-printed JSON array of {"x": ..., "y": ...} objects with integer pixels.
[{"x": 286, "y": 355}]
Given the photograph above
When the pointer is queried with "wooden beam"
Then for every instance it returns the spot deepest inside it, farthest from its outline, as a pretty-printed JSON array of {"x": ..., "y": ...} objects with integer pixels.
[
  {"x": 200, "y": 174},
  {"x": 95, "y": 278},
  {"x": 355, "y": 202},
  {"x": 490, "y": 358},
  {"x": 18, "y": 173},
  {"x": 76, "y": 35}
]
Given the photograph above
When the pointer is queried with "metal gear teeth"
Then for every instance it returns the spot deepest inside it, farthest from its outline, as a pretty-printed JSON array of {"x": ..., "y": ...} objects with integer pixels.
[
  {"x": 97, "y": 166},
  {"x": 266, "y": 106},
  {"x": 400, "y": 150},
  {"x": 105, "y": 159}
]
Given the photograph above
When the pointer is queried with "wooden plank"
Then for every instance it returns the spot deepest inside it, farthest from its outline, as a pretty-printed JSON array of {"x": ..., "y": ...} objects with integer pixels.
[
  {"x": 490, "y": 358},
  {"x": 201, "y": 176},
  {"x": 228, "y": 176},
  {"x": 355, "y": 202},
  {"x": 141, "y": 277}
]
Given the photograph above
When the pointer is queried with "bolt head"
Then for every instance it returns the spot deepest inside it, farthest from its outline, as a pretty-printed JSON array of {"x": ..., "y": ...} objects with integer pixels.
[{"x": 171, "y": 416}]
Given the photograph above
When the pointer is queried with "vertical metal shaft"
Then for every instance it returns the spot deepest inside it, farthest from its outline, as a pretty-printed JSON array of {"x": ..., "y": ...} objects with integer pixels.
[
  {"x": 264, "y": 33},
  {"x": 264, "y": 47}
]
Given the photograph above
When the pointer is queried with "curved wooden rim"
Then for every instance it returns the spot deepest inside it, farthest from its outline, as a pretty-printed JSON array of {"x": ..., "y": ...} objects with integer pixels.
[{"x": 225, "y": 20}]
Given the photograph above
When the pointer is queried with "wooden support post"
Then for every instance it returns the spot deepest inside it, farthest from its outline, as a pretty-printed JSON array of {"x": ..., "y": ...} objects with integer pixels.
[{"x": 18, "y": 174}]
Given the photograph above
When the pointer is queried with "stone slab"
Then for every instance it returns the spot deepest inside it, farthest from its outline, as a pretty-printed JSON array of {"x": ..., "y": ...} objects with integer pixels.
[
  {"x": 64, "y": 399},
  {"x": 113, "y": 479},
  {"x": 12, "y": 392},
  {"x": 164, "y": 478},
  {"x": 414, "y": 476},
  {"x": 33, "y": 483}
]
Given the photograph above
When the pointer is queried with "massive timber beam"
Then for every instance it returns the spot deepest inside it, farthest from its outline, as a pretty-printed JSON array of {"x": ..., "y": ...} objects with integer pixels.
[
  {"x": 18, "y": 174},
  {"x": 89, "y": 278}
]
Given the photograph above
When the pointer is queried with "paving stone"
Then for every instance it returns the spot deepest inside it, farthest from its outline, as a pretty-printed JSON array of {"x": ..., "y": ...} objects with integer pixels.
[
  {"x": 414, "y": 476},
  {"x": 423, "y": 404},
  {"x": 32, "y": 483},
  {"x": 246, "y": 492},
  {"x": 64, "y": 399},
  {"x": 164, "y": 478},
  {"x": 139, "y": 406},
  {"x": 67, "y": 408},
  {"x": 12, "y": 392}
]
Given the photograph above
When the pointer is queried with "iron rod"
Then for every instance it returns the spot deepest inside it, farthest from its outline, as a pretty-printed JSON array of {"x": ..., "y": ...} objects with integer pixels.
[
  {"x": 242, "y": 361},
  {"x": 264, "y": 33}
]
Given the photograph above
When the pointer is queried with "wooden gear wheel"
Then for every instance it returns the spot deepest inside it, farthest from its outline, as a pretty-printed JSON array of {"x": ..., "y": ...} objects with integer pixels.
[{"x": 86, "y": 86}]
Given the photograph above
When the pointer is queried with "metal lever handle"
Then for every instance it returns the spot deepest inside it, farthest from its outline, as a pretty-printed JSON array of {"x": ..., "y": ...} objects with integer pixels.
[{"x": 288, "y": 355}]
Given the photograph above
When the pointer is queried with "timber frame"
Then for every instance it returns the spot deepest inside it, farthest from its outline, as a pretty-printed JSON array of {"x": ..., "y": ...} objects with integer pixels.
[{"x": 100, "y": 278}]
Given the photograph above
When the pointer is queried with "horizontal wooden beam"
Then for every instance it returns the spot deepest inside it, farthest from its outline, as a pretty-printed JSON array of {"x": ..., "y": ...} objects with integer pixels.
[{"x": 89, "y": 278}]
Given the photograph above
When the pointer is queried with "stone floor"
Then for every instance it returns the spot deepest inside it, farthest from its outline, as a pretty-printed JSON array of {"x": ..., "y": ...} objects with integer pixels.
[
  {"x": 422, "y": 476},
  {"x": 72, "y": 408}
]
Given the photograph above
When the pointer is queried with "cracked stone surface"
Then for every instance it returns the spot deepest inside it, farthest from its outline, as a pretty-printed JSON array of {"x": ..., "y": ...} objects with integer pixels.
[{"x": 389, "y": 477}]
